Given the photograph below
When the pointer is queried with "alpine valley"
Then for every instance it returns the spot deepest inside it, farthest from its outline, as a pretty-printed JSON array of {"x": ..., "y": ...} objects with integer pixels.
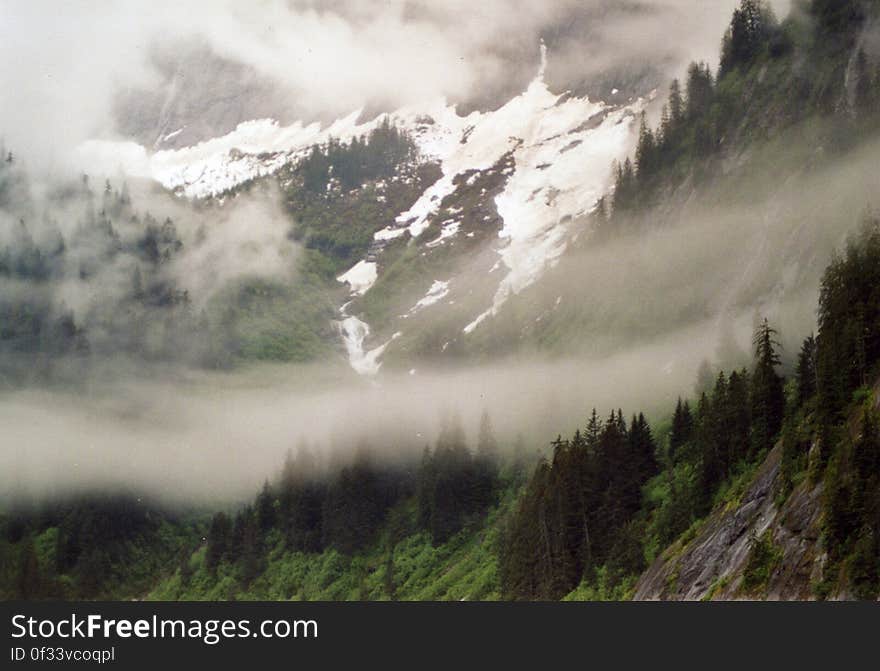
[{"x": 387, "y": 355}]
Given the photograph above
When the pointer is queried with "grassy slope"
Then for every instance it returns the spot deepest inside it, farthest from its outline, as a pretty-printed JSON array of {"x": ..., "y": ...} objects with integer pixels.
[
  {"x": 464, "y": 568},
  {"x": 291, "y": 319}
]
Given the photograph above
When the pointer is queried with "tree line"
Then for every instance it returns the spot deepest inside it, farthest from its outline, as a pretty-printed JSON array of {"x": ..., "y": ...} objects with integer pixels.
[
  {"x": 152, "y": 314},
  {"x": 584, "y": 510},
  {"x": 613, "y": 495},
  {"x": 376, "y": 155},
  {"x": 576, "y": 508},
  {"x": 603, "y": 503},
  {"x": 845, "y": 367},
  {"x": 344, "y": 506},
  {"x": 813, "y": 56}
]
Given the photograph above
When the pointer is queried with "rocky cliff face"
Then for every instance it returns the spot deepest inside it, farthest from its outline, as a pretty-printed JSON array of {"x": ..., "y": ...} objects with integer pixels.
[{"x": 720, "y": 561}]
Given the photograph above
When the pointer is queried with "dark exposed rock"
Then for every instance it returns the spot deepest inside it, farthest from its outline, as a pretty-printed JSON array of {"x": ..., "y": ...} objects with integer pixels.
[{"x": 712, "y": 564}]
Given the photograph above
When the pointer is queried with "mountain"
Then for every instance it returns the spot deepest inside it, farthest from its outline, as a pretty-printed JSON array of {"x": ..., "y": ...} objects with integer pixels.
[
  {"x": 513, "y": 189},
  {"x": 478, "y": 244},
  {"x": 737, "y": 242}
]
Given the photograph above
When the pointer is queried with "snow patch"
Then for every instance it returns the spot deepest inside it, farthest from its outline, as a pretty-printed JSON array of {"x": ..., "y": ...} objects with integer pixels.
[
  {"x": 388, "y": 234},
  {"x": 254, "y": 149},
  {"x": 449, "y": 230},
  {"x": 360, "y": 277},
  {"x": 436, "y": 293},
  {"x": 171, "y": 135},
  {"x": 554, "y": 183}
]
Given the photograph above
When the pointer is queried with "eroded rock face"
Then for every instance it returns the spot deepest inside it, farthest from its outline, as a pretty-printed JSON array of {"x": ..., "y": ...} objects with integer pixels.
[{"x": 712, "y": 564}]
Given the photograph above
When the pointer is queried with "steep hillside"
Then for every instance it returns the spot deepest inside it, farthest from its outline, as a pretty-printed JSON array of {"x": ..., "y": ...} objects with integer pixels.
[
  {"x": 767, "y": 489},
  {"x": 500, "y": 232},
  {"x": 427, "y": 237},
  {"x": 749, "y": 175},
  {"x": 402, "y": 565},
  {"x": 750, "y": 547},
  {"x": 761, "y": 541},
  {"x": 511, "y": 191}
]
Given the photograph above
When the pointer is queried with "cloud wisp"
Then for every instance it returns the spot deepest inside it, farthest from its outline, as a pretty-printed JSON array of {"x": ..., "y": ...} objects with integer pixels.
[{"x": 69, "y": 63}]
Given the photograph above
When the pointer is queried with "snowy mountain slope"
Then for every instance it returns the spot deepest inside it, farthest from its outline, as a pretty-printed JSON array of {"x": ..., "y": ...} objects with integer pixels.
[
  {"x": 560, "y": 150},
  {"x": 513, "y": 181}
]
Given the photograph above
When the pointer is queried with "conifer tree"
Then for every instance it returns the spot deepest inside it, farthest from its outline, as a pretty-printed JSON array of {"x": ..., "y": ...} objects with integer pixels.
[
  {"x": 219, "y": 539},
  {"x": 29, "y": 579},
  {"x": 594, "y": 430},
  {"x": 700, "y": 90},
  {"x": 806, "y": 370},
  {"x": 750, "y": 29},
  {"x": 645, "y": 152},
  {"x": 250, "y": 562},
  {"x": 643, "y": 450},
  {"x": 738, "y": 419},
  {"x": 676, "y": 102},
  {"x": 767, "y": 396},
  {"x": 265, "y": 508},
  {"x": 455, "y": 477},
  {"x": 625, "y": 188},
  {"x": 682, "y": 428}
]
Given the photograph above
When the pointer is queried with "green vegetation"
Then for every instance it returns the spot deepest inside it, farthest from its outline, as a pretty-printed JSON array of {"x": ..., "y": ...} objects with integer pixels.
[
  {"x": 453, "y": 524},
  {"x": 764, "y": 557},
  {"x": 260, "y": 319},
  {"x": 348, "y": 509},
  {"x": 96, "y": 547},
  {"x": 464, "y": 567},
  {"x": 351, "y": 528},
  {"x": 341, "y": 194},
  {"x": 612, "y": 499},
  {"x": 576, "y": 524},
  {"x": 577, "y": 512},
  {"x": 337, "y": 197},
  {"x": 772, "y": 76}
]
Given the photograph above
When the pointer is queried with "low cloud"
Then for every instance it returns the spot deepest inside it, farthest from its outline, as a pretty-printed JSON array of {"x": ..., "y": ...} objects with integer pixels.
[{"x": 69, "y": 63}]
